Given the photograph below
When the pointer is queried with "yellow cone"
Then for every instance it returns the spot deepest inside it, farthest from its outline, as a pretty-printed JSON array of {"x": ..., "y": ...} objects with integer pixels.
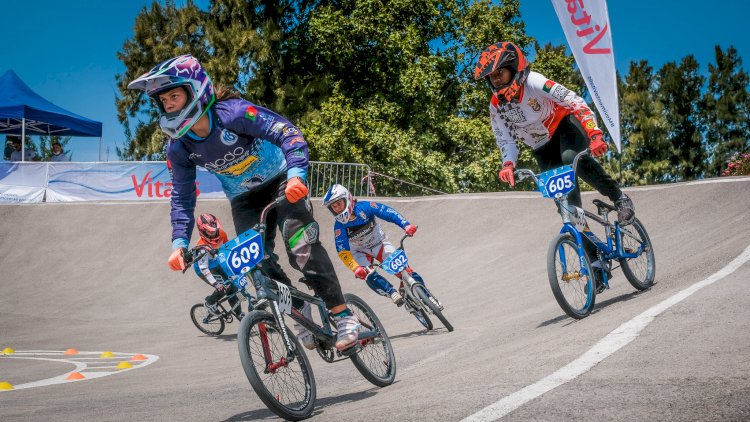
[
  {"x": 5, "y": 386},
  {"x": 8, "y": 351},
  {"x": 124, "y": 365},
  {"x": 107, "y": 355}
]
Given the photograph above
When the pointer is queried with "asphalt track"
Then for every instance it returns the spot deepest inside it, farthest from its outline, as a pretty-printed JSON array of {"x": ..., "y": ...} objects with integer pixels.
[{"x": 93, "y": 277}]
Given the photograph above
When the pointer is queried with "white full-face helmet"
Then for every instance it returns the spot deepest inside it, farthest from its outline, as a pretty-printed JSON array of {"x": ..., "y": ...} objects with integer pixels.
[
  {"x": 335, "y": 193},
  {"x": 183, "y": 71}
]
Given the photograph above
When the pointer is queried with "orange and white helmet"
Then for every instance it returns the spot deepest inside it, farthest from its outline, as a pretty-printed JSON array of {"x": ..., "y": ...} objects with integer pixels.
[{"x": 497, "y": 56}]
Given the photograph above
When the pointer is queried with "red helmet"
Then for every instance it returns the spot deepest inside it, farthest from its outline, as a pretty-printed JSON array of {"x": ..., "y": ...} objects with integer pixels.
[
  {"x": 499, "y": 55},
  {"x": 209, "y": 227}
]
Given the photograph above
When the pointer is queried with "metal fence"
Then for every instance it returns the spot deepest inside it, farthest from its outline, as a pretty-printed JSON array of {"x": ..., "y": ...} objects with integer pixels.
[{"x": 355, "y": 177}]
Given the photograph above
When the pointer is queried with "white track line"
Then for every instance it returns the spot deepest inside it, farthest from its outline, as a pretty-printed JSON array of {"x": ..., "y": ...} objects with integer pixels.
[
  {"x": 81, "y": 367},
  {"x": 613, "y": 342}
]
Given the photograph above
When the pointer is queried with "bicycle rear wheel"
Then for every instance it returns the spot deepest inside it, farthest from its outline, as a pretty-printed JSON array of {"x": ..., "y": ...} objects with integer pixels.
[
  {"x": 574, "y": 291},
  {"x": 212, "y": 325},
  {"x": 641, "y": 270},
  {"x": 375, "y": 360},
  {"x": 424, "y": 296},
  {"x": 286, "y": 387}
]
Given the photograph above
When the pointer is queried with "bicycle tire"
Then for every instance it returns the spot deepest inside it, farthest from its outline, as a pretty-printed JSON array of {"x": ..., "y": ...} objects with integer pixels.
[
  {"x": 630, "y": 266},
  {"x": 583, "y": 309},
  {"x": 375, "y": 360},
  {"x": 424, "y": 296},
  {"x": 207, "y": 324},
  {"x": 254, "y": 341}
]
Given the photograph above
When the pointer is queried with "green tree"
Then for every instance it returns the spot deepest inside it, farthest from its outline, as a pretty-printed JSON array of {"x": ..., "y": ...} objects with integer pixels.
[
  {"x": 646, "y": 147},
  {"x": 679, "y": 92},
  {"x": 727, "y": 109}
]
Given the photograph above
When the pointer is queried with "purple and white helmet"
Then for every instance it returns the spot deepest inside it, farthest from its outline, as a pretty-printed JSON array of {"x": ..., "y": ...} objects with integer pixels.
[
  {"x": 182, "y": 71},
  {"x": 335, "y": 193}
]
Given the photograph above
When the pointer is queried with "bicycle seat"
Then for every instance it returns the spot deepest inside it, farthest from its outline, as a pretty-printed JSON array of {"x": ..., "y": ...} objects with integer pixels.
[{"x": 601, "y": 204}]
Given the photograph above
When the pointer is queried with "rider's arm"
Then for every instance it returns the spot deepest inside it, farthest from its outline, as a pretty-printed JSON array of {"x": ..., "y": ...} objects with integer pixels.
[
  {"x": 342, "y": 246},
  {"x": 183, "y": 194},
  {"x": 503, "y": 137},
  {"x": 565, "y": 98},
  {"x": 202, "y": 268},
  {"x": 262, "y": 123},
  {"x": 388, "y": 214}
]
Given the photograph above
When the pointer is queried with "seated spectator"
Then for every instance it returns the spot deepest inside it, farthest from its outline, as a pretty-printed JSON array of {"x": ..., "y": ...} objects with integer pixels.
[
  {"x": 57, "y": 153},
  {"x": 29, "y": 155}
]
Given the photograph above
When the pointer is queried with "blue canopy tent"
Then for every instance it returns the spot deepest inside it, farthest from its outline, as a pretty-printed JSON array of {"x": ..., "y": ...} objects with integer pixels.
[{"x": 23, "y": 111}]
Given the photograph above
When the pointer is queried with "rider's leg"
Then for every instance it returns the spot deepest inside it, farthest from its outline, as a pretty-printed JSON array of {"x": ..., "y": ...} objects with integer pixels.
[
  {"x": 233, "y": 301},
  {"x": 573, "y": 139},
  {"x": 306, "y": 254},
  {"x": 246, "y": 209},
  {"x": 375, "y": 281},
  {"x": 211, "y": 300}
]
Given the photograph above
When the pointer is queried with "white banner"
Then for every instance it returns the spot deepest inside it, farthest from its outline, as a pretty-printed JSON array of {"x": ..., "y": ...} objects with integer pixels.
[
  {"x": 586, "y": 26},
  {"x": 22, "y": 182},
  {"x": 136, "y": 181}
]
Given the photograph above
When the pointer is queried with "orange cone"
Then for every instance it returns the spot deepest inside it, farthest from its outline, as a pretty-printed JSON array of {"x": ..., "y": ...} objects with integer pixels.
[
  {"x": 138, "y": 357},
  {"x": 71, "y": 351},
  {"x": 75, "y": 376}
]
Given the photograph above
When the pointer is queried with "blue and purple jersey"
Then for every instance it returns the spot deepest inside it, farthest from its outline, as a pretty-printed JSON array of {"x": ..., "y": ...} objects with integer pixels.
[
  {"x": 364, "y": 232},
  {"x": 247, "y": 147}
]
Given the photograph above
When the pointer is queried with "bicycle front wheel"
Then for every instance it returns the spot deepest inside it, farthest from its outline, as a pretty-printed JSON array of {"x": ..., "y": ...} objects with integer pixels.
[
  {"x": 641, "y": 270},
  {"x": 375, "y": 360},
  {"x": 425, "y": 297},
  {"x": 573, "y": 289},
  {"x": 286, "y": 386},
  {"x": 212, "y": 325},
  {"x": 423, "y": 319}
]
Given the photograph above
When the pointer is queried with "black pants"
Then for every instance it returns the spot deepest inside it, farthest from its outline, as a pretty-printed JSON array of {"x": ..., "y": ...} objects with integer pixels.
[
  {"x": 300, "y": 233},
  {"x": 569, "y": 139},
  {"x": 214, "y": 297}
]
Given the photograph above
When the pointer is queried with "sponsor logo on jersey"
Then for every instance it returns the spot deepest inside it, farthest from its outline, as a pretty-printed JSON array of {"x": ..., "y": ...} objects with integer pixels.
[
  {"x": 233, "y": 162},
  {"x": 590, "y": 124},
  {"x": 296, "y": 140},
  {"x": 514, "y": 115},
  {"x": 251, "y": 113},
  {"x": 548, "y": 86},
  {"x": 534, "y": 104},
  {"x": 290, "y": 131},
  {"x": 277, "y": 127},
  {"x": 374, "y": 205},
  {"x": 560, "y": 92},
  {"x": 228, "y": 137},
  {"x": 338, "y": 232},
  {"x": 253, "y": 181}
]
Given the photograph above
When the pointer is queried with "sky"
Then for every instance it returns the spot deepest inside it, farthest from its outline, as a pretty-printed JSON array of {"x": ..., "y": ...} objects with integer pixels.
[{"x": 66, "y": 51}]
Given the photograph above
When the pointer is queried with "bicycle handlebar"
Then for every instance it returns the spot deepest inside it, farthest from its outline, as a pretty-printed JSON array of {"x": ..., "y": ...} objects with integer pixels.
[{"x": 523, "y": 174}]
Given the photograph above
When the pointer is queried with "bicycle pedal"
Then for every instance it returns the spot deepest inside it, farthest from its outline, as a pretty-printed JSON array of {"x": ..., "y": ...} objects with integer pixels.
[{"x": 351, "y": 351}]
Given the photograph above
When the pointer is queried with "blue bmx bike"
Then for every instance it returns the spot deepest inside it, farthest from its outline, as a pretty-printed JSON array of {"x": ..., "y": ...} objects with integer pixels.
[
  {"x": 572, "y": 273},
  {"x": 271, "y": 354}
]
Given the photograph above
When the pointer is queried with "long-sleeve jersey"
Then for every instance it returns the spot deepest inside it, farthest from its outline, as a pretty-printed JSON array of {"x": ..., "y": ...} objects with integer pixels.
[
  {"x": 533, "y": 120},
  {"x": 364, "y": 232},
  {"x": 247, "y": 146},
  {"x": 208, "y": 266}
]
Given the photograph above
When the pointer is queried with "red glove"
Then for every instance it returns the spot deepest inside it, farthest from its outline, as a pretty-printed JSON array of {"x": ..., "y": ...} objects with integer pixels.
[
  {"x": 295, "y": 189},
  {"x": 597, "y": 146},
  {"x": 176, "y": 261},
  {"x": 506, "y": 174},
  {"x": 360, "y": 272},
  {"x": 410, "y": 230}
]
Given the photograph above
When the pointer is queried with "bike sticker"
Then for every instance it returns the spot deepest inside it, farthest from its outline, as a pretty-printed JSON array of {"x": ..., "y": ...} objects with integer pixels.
[
  {"x": 557, "y": 182},
  {"x": 285, "y": 298},
  {"x": 579, "y": 218},
  {"x": 242, "y": 253},
  {"x": 396, "y": 262}
]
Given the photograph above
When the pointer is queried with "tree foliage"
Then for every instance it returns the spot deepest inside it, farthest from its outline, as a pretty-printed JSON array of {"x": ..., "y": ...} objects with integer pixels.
[{"x": 389, "y": 83}]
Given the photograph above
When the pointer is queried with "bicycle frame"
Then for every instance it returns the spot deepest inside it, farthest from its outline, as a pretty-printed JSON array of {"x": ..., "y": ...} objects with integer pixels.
[
  {"x": 406, "y": 278},
  {"x": 574, "y": 218}
]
